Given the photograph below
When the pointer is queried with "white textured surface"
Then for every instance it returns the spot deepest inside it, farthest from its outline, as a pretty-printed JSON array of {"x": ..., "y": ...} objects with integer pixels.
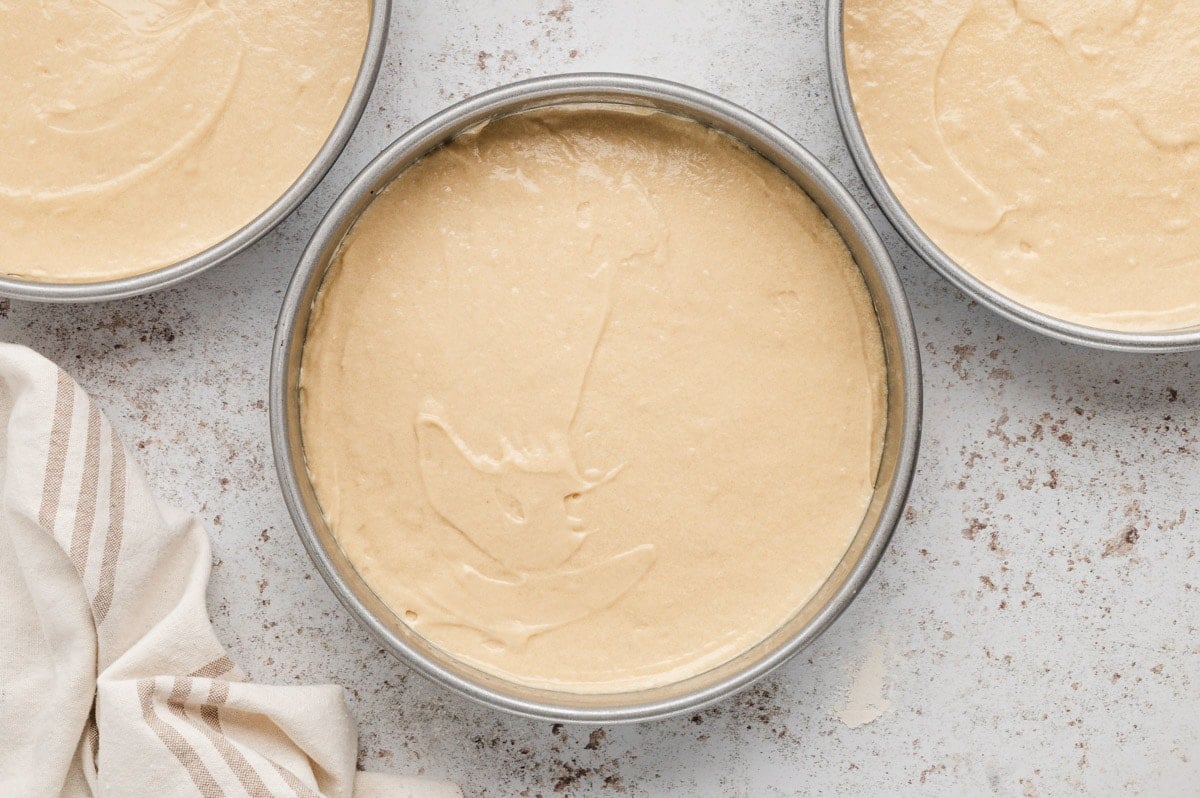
[{"x": 1036, "y": 615}]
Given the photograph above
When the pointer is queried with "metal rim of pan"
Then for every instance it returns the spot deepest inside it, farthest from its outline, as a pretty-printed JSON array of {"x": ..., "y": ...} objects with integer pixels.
[
  {"x": 901, "y": 435},
  {"x": 1046, "y": 324},
  {"x": 262, "y": 224}
]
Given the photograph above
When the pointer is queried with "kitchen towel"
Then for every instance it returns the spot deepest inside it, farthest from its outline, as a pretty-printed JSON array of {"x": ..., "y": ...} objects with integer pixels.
[{"x": 112, "y": 682}]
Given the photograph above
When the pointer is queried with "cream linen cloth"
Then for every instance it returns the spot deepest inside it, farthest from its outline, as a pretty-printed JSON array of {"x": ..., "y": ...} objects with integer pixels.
[{"x": 111, "y": 680}]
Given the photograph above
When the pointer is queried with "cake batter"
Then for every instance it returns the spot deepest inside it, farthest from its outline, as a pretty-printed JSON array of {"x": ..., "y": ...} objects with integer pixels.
[
  {"x": 138, "y": 133},
  {"x": 1050, "y": 147},
  {"x": 593, "y": 399}
]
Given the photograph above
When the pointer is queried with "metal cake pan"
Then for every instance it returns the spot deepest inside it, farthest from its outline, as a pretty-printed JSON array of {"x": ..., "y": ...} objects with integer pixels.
[
  {"x": 1071, "y": 332},
  {"x": 264, "y": 223},
  {"x": 900, "y": 441}
]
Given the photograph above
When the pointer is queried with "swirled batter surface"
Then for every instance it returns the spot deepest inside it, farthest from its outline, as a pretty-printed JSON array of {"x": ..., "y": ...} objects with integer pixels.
[
  {"x": 1051, "y": 147},
  {"x": 593, "y": 398},
  {"x": 137, "y": 133}
]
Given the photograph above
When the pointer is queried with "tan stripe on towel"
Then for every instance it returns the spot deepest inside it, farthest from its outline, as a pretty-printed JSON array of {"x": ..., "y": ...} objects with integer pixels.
[
  {"x": 56, "y": 461},
  {"x": 246, "y": 775},
  {"x": 301, "y": 789},
  {"x": 218, "y": 694},
  {"x": 85, "y": 512},
  {"x": 218, "y": 667},
  {"x": 116, "y": 531},
  {"x": 177, "y": 744}
]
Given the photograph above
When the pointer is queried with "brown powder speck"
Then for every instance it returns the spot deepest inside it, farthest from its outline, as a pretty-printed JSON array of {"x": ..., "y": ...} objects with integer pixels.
[
  {"x": 962, "y": 352},
  {"x": 1166, "y": 526},
  {"x": 1172, "y": 395},
  {"x": 1052, "y": 483},
  {"x": 929, "y": 771},
  {"x": 561, "y": 13},
  {"x": 974, "y": 527},
  {"x": 997, "y": 428},
  {"x": 987, "y": 582},
  {"x": 569, "y": 778},
  {"x": 1123, "y": 544},
  {"x": 481, "y": 60},
  {"x": 117, "y": 322},
  {"x": 5, "y": 306},
  {"x": 595, "y": 740},
  {"x": 158, "y": 333}
]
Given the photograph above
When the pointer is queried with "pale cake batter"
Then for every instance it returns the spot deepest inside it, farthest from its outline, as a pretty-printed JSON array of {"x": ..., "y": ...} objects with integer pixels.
[
  {"x": 137, "y": 133},
  {"x": 593, "y": 399},
  {"x": 1050, "y": 147}
]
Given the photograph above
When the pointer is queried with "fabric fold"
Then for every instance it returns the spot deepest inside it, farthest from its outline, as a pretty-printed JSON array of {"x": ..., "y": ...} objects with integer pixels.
[{"x": 112, "y": 682}]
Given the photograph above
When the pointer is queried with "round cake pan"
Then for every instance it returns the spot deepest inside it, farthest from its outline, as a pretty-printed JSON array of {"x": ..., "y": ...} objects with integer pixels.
[
  {"x": 264, "y": 223},
  {"x": 901, "y": 435},
  {"x": 1167, "y": 341}
]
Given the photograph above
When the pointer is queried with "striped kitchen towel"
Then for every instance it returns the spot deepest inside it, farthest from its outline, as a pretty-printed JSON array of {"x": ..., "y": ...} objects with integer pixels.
[{"x": 111, "y": 680}]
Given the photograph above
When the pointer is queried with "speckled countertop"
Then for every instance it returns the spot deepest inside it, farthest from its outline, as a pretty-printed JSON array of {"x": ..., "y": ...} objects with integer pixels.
[{"x": 1031, "y": 631}]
